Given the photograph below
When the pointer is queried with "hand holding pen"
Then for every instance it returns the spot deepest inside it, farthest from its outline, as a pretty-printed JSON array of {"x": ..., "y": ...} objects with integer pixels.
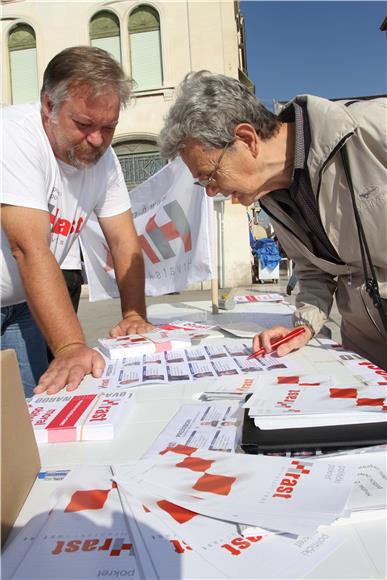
[{"x": 281, "y": 339}]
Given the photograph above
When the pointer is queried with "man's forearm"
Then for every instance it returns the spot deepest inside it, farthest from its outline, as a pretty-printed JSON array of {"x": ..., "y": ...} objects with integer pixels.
[
  {"x": 48, "y": 299},
  {"x": 130, "y": 276}
]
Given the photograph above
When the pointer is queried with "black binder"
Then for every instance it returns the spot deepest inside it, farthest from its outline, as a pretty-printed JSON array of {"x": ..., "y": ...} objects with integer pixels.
[{"x": 255, "y": 440}]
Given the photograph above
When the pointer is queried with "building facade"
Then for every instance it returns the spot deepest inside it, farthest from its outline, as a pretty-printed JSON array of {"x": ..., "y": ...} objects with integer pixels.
[{"x": 157, "y": 44}]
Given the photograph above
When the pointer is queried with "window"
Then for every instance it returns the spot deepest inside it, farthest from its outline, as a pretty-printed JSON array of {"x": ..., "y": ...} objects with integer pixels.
[
  {"x": 145, "y": 48},
  {"x": 105, "y": 33},
  {"x": 139, "y": 160},
  {"x": 22, "y": 63}
]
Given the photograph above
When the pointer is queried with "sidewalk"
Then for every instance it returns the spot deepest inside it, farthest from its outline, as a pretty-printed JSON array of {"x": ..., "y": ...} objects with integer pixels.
[{"x": 98, "y": 317}]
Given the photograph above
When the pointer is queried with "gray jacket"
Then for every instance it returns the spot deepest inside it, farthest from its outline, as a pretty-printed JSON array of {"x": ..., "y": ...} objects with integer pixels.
[{"x": 362, "y": 126}]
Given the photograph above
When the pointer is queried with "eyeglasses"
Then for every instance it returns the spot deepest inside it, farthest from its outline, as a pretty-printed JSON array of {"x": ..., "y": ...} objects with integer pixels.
[{"x": 210, "y": 180}]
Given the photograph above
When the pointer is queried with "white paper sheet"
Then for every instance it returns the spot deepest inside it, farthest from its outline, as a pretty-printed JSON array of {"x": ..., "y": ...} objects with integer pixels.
[
  {"x": 255, "y": 490},
  {"x": 202, "y": 426}
]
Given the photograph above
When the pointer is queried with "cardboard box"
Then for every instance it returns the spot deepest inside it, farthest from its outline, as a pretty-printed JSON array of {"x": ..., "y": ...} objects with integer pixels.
[{"x": 20, "y": 461}]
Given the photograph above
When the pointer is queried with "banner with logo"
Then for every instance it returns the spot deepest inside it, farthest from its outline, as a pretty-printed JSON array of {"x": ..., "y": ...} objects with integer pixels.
[{"x": 172, "y": 219}]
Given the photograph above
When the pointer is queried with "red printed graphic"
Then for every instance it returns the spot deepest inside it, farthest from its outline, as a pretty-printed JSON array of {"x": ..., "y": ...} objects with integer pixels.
[
  {"x": 300, "y": 467},
  {"x": 242, "y": 543},
  {"x": 219, "y": 484},
  {"x": 181, "y": 449},
  {"x": 71, "y": 413},
  {"x": 155, "y": 242},
  {"x": 288, "y": 380},
  {"x": 343, "y": 393},
  {"x": 291, "y": 479},
  {"x": 364, "y": 402},
  {"x": 195, "y": 463},
  {"x": 179, "y": 514},
  {"x": 117, "y": 549},
  {"x": 91, "y": 499},
  {"x": 180, "y": 547}
]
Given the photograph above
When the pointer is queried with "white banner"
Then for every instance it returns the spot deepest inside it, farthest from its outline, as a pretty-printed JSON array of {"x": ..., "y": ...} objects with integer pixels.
[{"x": 171, "y": 216}]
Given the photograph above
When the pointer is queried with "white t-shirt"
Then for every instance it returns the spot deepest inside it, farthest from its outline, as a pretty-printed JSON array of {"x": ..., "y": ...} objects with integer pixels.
[{"x": 32, "y": 177}]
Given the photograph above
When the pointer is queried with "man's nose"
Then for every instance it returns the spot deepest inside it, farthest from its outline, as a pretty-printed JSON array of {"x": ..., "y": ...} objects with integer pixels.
[
  {"x": 95, "y": 138},
  {"x": 212, "y": 190}
]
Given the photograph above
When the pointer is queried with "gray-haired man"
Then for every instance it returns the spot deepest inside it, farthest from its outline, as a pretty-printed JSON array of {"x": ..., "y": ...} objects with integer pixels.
[
  {"x": 292, "y": 163},
  {"x": 58, "y": 168}
]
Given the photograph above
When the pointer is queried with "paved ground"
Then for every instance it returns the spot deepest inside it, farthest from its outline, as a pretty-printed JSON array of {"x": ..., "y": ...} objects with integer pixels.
[{"x": 98, "y": 317}]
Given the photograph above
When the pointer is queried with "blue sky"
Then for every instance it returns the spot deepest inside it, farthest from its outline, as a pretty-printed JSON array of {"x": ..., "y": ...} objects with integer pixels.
[{"x": 331, "y": 49}]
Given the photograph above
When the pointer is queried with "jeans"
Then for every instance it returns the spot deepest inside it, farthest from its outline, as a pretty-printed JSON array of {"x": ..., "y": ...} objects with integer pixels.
[{"x": 20, "y": 332}]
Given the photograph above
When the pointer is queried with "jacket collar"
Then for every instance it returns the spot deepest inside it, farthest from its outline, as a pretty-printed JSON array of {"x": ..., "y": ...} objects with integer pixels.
[{"x": 330, "y": 123}]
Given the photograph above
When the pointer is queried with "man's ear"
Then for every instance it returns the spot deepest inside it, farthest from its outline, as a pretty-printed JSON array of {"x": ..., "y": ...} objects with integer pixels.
[
  {"x": 47, "y": 105},
  {"x": 246, "y": 133}
]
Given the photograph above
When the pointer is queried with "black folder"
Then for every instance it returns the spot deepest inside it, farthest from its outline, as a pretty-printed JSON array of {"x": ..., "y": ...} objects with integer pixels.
[{"x": 255, "y": 440}]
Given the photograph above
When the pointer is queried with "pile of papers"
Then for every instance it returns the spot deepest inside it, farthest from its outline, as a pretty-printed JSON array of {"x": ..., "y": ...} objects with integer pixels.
[
  {"x": 362, "y": 369},
  {"x": 72, "y": 417},
  {"x": 370, "y": 489},
  {"x": 270, "y": 492},
  {"x": 297, "y": 401},
  {"x": 173, "y": 336},
  {"x": 118, "y": 522},
  {"x": 274, "y": 297},
  {"x": 83, "y": 535},
  {"x": 98, "y": 529},
  {"x": 209, "y": 361}
]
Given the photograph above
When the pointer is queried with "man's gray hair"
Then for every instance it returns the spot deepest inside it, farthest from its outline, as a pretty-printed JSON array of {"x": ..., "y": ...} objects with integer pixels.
[
  {"x": 207, "y": 108},
  {"x": 88, "y": 66}
]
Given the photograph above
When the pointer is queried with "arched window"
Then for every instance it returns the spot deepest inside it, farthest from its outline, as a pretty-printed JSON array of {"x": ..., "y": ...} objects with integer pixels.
[
  {"x": 139, "y": 159},
  {"x": 145, "y": 48},
  {"x": 22, "y": 63},
  {"x": 105, "y": 33}
]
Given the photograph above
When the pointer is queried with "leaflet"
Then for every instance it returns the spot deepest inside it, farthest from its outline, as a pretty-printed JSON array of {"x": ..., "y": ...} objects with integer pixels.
[
  {"x": 82, "y": 533},
  {"x": 271, "y": 492},
  {"x": 370, "y": 485},
  {"x": 216, "y": 543},
  {"x": 274, "y": 297},
  {"x": 298, "y": 399},
  {"x": 208, "y": 361},
  {"x": 202, "y": 426}
]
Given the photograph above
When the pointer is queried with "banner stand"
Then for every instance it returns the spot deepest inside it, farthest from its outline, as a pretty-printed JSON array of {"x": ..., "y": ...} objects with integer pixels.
[{"x": 215, "y": 296}]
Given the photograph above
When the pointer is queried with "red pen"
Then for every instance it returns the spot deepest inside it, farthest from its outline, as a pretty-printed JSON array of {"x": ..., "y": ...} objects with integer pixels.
[{"x": 277, "y": 343}]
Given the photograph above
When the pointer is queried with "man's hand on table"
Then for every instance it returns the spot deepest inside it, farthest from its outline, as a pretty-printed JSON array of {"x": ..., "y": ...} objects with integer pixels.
[
  {"x": 131, "y": 324},
  {"x": 265, "y": 338},
  {"x": 69, "y": 367}
]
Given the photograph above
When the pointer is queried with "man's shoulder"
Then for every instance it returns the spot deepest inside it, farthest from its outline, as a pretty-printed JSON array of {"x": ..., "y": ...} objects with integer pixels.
[
  {"x": 20, "y": 114},
  {"x": 22, "y": 120}
]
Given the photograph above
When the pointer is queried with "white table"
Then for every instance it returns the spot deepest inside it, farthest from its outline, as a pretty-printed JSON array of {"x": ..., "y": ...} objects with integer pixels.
[{"x": 156, "y": 405}]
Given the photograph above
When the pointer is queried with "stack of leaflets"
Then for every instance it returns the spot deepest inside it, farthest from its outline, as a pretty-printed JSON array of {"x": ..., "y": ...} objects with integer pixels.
[
  {"x": 362, "y": 369},
  {"x": 259, "y": 298},
  {"x": 369, "y": 491},
  {"x": 133, "y": 345},
  {"x": 269, "y": 492},
  {"x": 115, "y": 522},
  {"x": 173, "y": 336},
  {"x": 229, "y": 388},
  {"x": 209, "y": 361},
  {"x": 86, "y": 417},
  {"x": 291, "y": 402},
  {"x": 82, "y": 535}
]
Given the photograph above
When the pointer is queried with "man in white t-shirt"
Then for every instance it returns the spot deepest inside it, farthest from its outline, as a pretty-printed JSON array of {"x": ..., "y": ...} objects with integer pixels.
[{"x": 58, "y": 168}]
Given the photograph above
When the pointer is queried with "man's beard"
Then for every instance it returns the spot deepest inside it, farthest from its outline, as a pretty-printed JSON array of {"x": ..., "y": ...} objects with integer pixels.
[{"x": 89, "y": 155}]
